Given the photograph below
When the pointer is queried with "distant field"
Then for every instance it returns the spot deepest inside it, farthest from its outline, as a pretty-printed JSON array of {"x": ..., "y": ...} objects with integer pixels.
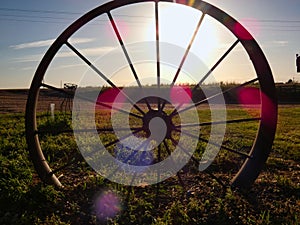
[
  {"x": 274, "y": 198},
  {"x": 14, "y": 100}
]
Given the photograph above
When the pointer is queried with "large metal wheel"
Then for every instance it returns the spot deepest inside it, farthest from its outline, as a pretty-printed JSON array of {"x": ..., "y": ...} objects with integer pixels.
[{"x": 151, "y": 109}]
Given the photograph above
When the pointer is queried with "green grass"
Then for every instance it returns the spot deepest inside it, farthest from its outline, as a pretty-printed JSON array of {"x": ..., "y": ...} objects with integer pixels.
[{"x": 274, "y": 198}]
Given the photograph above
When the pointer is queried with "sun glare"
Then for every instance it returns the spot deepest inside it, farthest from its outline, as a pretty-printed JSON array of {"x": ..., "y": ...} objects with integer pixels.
[{"x": 177, "y": 24}]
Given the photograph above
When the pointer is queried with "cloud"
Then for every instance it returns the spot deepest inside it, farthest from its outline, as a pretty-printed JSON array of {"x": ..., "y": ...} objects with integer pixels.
[
  {"x": 28, "y": 68},
  {"x": 70, "y": 66},
  {"x": 87, "y": 52},
  {"x": 81, "y": 40},
  {"x": 280, "y": 43},
  {"x": 274, "y": 44},
  {"x": 44, "y": 43},
  {"x": 29, "y": 58},
  {"x": 35, "y": 44}
]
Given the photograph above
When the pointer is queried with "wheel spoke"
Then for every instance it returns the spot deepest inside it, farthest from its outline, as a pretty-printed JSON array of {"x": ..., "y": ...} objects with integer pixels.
[
  {"x": 219, "y": 122},
  {"x": 167, "y": 147},
  {"x": 224, "y": 186},
  {"x": 111, "y": 19},
  {"x": 122, "y": 138},
  {"x": 187, "y": 50},
  {"x": 157, "y": 191},
  {"x": 208, "y": 73},
  {"x": 157, "y": 50},
  {"x": 159, "y": 152},
  {"x": 55, "y": 132},
  {"x": 158, "y": 176},
  {"x": 92, "y": 66},
  {"x": 115, "y": 28},
  {"x": 184, "y": 150},
  {"x": 145, "y": 143},
  {"x": 197, "y": 162},
  {"x": 216, "y": 65},
  {"x": 216, "y": 144},
  {"x": 178, "y": 174},
  {"x": 103, "y": 76},
  {"x": 212, "y": 97},
  {"x": 89, "y": 100},
  {"x": 185, "y": 54},
  {"x": 115, "y": 142}
]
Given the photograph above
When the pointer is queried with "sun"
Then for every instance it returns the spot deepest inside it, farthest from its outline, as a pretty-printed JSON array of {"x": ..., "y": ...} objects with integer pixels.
[{"x": 177, "y": 24}]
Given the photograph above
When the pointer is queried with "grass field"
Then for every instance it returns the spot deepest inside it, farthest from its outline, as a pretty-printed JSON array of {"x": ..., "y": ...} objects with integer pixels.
[{"x": 87, "y": 197}]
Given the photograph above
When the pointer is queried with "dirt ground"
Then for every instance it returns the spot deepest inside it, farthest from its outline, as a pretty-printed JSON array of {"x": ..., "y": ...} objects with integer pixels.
[{"x": 14, "y": 100}]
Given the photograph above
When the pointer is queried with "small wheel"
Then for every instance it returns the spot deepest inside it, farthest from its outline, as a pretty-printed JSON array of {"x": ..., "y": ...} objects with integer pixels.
[{"x": 144, "y": 122}]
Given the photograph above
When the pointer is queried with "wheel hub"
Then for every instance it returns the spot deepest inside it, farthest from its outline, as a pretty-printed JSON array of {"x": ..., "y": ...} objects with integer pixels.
[{"x": 157, "y": 122}]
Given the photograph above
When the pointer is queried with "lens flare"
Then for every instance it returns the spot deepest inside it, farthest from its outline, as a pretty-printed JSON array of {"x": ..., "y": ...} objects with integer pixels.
[
  {"x": 135, "y": 157},
  {"x": 251, "y": 99},
  {"x": 180, "y": 1},
  {"x": 252, "y": 25},
  {"x": 120, "y": 25},
  {"x": 241, "y": 32},
  {"x": 107, "y": 205},
  {"x": 108, "y": 97},
  {"x": 249, "y": 96},
  {"x": 181, "y": 94}
]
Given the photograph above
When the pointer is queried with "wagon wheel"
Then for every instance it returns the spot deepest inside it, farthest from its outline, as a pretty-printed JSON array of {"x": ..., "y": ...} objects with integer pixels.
[{"x": 152, "y": 110}]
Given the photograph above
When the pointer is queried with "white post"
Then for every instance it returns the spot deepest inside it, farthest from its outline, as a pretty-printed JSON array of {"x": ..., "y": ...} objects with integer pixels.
[{"x": 52, "y": 107}]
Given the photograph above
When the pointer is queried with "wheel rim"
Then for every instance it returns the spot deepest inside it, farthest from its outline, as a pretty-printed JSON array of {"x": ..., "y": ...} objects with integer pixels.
[{"x": 268, "y": 111}]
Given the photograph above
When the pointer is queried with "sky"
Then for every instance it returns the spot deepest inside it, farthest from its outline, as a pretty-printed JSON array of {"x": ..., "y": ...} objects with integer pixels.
[{"x": 29, "y": 27}]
